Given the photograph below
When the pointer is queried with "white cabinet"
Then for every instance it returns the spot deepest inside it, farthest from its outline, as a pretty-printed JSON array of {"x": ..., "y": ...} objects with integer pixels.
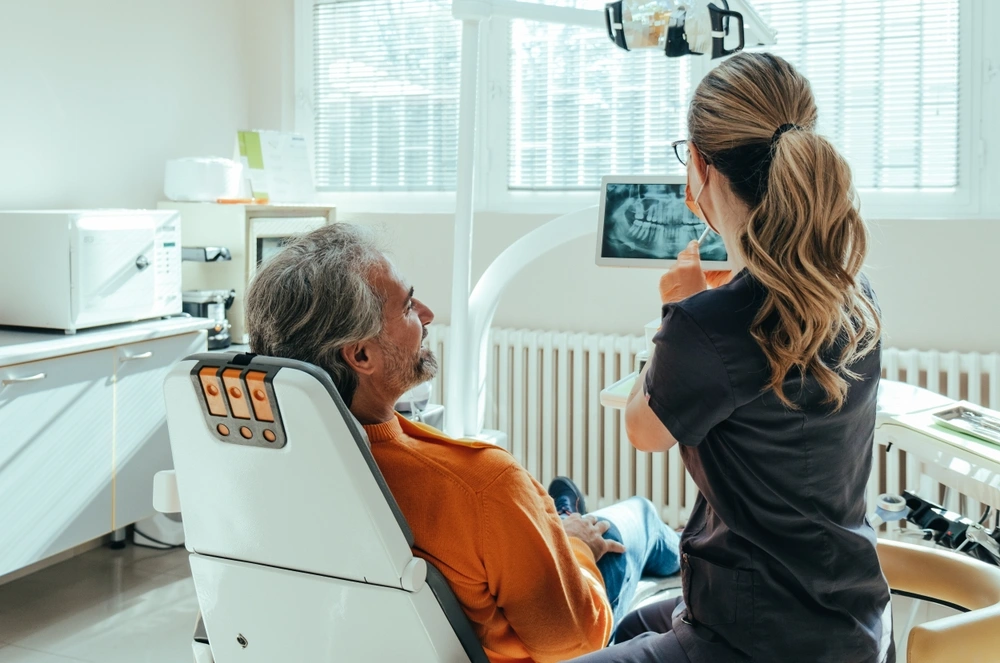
[
  {"x": 82, "y": 432},
  {"x": 252, "y": 233},
  {"x": 141, "y": 445},
  {"x": 56, "y": 427}
]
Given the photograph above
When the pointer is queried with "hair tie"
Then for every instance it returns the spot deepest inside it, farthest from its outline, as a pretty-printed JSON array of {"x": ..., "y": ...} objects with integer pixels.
[{"x": 782, "y": 129}]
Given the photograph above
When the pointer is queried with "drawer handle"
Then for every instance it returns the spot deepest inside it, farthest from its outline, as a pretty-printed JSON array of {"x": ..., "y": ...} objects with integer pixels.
[
  {"x": 32, "y": 378},
  {"x": 144, "y": 355}
]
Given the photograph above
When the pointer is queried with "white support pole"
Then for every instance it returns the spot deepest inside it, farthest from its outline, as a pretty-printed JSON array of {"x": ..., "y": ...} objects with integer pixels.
[
  {"x": 455, "y": 365},
  {"x": 486, "y": 297}
]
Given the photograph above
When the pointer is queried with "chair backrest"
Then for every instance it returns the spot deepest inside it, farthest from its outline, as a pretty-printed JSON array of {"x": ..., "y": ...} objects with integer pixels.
[
  {"x": 279, "y": 492},
  {"x": 954, "y": 580}
]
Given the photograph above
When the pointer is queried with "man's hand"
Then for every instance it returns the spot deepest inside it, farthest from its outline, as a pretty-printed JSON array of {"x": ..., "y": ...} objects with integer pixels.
[
  {"x": 686, "y": 278},
  {"x": 591, "y": 531}
]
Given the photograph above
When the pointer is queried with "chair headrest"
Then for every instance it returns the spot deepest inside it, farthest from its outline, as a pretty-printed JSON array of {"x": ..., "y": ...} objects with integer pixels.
[{"x": 276, "y": 470}]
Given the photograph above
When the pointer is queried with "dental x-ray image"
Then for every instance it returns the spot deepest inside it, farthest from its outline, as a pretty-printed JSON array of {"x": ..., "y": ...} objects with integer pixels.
[{"x": 652, "y": 221}]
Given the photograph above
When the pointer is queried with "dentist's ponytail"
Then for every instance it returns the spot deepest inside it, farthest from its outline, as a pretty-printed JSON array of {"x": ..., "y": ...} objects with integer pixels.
[{"x": 753, "y": 118}]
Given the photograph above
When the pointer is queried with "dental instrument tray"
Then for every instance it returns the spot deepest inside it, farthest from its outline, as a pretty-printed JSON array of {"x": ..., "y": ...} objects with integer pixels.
[{"x": 972, "y": 420}]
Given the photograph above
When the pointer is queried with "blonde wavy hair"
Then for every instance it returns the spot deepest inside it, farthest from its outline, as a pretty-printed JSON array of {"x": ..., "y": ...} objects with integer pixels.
[{"x": 753, "y": 118}]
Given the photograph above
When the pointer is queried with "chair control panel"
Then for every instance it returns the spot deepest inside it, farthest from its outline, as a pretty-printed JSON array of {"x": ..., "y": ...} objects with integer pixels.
[{"x": 239, "y": 404}]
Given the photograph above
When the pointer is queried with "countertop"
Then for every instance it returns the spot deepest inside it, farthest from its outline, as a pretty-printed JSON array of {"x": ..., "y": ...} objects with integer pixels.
[{"x": 19, "y": 345}]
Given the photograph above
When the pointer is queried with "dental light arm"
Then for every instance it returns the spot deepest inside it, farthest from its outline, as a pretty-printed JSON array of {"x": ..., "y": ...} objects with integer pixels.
[
  {"x": 490, "y": 287},
  {"x": 680, "y": 28}
]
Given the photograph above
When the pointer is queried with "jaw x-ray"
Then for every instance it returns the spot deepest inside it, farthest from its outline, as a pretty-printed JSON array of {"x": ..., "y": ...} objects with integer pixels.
[{"x": 652, "y": 222}]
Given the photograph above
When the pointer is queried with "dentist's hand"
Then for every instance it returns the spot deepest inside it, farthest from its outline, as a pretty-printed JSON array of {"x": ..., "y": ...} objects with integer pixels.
[
  {"x": 591, "y": 531},
  {"x": 686, "y": 278}
]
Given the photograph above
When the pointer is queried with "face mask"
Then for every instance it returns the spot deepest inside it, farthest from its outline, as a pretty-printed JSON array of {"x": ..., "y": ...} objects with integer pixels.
[{"x": 692, "y": 204}]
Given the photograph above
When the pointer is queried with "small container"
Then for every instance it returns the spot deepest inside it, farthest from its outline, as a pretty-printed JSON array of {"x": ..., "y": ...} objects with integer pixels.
[
  {"x": 203, "y": 180},
  {"x": 211, "y": 304}
]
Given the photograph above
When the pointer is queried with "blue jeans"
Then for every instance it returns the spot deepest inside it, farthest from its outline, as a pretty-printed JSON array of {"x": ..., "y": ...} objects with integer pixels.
[{"x": 651, "y": 548}]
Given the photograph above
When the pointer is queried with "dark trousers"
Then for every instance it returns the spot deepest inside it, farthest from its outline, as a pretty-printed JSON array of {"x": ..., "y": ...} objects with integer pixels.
[{"x": 644, "y": 636}]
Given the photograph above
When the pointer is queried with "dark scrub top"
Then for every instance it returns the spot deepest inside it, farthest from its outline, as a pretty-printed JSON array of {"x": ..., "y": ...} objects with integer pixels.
[{"x": 778, "y": 560}]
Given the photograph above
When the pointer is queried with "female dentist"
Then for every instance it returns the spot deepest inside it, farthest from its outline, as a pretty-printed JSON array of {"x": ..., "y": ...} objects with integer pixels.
[{"x": 769, "y": 384}]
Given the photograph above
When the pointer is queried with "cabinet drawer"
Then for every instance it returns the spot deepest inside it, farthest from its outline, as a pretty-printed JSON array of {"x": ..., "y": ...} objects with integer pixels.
[{"x": 55, "y": 455}]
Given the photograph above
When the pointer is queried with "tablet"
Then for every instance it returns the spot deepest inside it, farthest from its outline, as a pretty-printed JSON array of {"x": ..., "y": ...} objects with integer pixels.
[{"x": 643, "y": 221}]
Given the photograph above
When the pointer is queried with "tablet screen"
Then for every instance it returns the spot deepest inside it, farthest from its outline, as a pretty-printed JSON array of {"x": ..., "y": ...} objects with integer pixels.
[{"x": 652, "y": 222}]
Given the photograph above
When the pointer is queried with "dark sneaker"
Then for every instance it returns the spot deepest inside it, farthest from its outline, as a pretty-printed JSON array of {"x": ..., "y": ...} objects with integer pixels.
[{"x": 567, "y": 496}]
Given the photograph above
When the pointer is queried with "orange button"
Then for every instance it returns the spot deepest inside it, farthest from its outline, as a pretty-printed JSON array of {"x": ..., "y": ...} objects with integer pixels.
[
  {"x": 246, "y": 432},
  {"x": 223, "y": 429},
  {"x": 234, "y": 389},
  {"x": 211, "y": 389},
  {"x": 270, "y": 436},
  {"x": 258, "y": 396}
]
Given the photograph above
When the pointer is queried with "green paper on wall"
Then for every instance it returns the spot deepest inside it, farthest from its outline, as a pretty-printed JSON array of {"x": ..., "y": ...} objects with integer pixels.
[{"x": 250, "y": 149}]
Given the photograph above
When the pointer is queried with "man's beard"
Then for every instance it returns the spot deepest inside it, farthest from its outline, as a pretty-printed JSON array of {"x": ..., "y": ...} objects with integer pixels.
[{"x": 404, "y": 371}]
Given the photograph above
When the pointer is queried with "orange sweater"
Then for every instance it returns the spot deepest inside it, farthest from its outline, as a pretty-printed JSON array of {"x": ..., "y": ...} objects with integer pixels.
[{"x": 531, "y": 592}]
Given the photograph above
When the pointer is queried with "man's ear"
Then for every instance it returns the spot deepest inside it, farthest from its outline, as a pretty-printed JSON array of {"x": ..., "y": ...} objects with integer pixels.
[{"x": 359, "y": 357}]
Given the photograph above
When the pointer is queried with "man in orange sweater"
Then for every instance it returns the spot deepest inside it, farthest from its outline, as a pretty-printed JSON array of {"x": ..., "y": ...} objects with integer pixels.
[{"x": 537, "y": 584}]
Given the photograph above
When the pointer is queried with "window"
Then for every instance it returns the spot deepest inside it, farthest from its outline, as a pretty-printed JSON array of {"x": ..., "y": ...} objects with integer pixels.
[
  {"x": 385, "y": 95},
  {"x": 886, "y": 79},
  {"x": 580, "y": 108},
  {"x": 885, "y": 75},
  {"x": 561, "y": 106}
]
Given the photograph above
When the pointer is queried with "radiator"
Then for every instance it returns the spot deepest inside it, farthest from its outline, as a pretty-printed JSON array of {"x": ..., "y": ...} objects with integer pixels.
[
  {"x": 543, "y": 391},
  {"x": 970, "y": 376}
]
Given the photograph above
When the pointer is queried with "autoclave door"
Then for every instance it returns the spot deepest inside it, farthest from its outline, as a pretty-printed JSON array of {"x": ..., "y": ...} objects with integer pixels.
[{"x": 113, "y": 268}]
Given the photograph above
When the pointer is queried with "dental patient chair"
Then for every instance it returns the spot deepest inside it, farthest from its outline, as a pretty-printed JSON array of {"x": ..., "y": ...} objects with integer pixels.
[
  {"x": 298, "y": 550},
  {"x": 957, "y": 581}
]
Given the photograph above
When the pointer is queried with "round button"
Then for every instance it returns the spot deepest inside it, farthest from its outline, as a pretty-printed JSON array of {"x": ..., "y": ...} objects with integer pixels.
[
  {"x": 246, "y": 432},
  {"x": 259, "y": 394},
  {"x": 235, "y": 392},
  {"x": 212, "y": 390},
  {"x": 270, "y": 436},
  {"x": 223, "y": 429}
]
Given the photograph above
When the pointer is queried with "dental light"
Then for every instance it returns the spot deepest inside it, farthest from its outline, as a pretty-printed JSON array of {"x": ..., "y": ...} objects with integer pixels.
[{"x": 680, "y": 28}]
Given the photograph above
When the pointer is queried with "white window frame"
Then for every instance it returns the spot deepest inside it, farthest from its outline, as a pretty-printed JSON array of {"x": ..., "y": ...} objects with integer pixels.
[{"x": 977, "y": 195}]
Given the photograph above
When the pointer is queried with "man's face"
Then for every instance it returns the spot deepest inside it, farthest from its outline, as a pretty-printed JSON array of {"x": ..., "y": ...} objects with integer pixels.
[{"x": 405, "y": 363}]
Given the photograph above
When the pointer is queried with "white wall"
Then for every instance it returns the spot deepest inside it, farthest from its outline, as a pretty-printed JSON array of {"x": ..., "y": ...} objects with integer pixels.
[
  {"x": 270, "y": 62},
  {"x": 96, "y": 95},
  {"x": 936, "y": 280}
]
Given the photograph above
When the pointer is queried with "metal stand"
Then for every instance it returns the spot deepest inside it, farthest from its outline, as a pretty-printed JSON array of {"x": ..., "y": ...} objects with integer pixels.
[{"x": 118, "y": 539}]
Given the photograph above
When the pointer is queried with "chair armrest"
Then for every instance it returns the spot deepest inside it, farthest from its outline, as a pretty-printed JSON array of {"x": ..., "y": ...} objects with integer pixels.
[
  {"x": 939, "y": 574},
  {"x": 971, "y": 637}
]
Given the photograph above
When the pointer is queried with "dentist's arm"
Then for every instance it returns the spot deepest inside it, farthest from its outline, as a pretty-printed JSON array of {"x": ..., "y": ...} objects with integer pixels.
[
  {"x": 644, "y": 429},
  {"x": 683, "y": 389}
]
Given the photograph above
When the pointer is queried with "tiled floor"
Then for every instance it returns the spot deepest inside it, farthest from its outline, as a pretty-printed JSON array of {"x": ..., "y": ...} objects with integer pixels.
[
  {"x": 138, "y": 606},
  {"x": 135, "y": 605},
  {"x": 106, "y": 606}
]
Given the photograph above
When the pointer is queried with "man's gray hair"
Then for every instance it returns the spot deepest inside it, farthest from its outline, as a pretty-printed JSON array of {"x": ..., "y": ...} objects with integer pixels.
[{"x": 315, "y": 298}]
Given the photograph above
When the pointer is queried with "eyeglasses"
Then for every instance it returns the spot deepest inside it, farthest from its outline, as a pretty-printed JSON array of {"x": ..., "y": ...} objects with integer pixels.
[{"x": 681, "y": 150}]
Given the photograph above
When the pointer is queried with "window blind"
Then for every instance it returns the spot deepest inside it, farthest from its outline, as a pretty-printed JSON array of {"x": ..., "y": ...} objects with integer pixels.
[
  {"x": 886, "y": 79},
  {"x": 885, "y": 75},
  {"x": 581, "y": 108},
  {"x": 385, "y": 97}
]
